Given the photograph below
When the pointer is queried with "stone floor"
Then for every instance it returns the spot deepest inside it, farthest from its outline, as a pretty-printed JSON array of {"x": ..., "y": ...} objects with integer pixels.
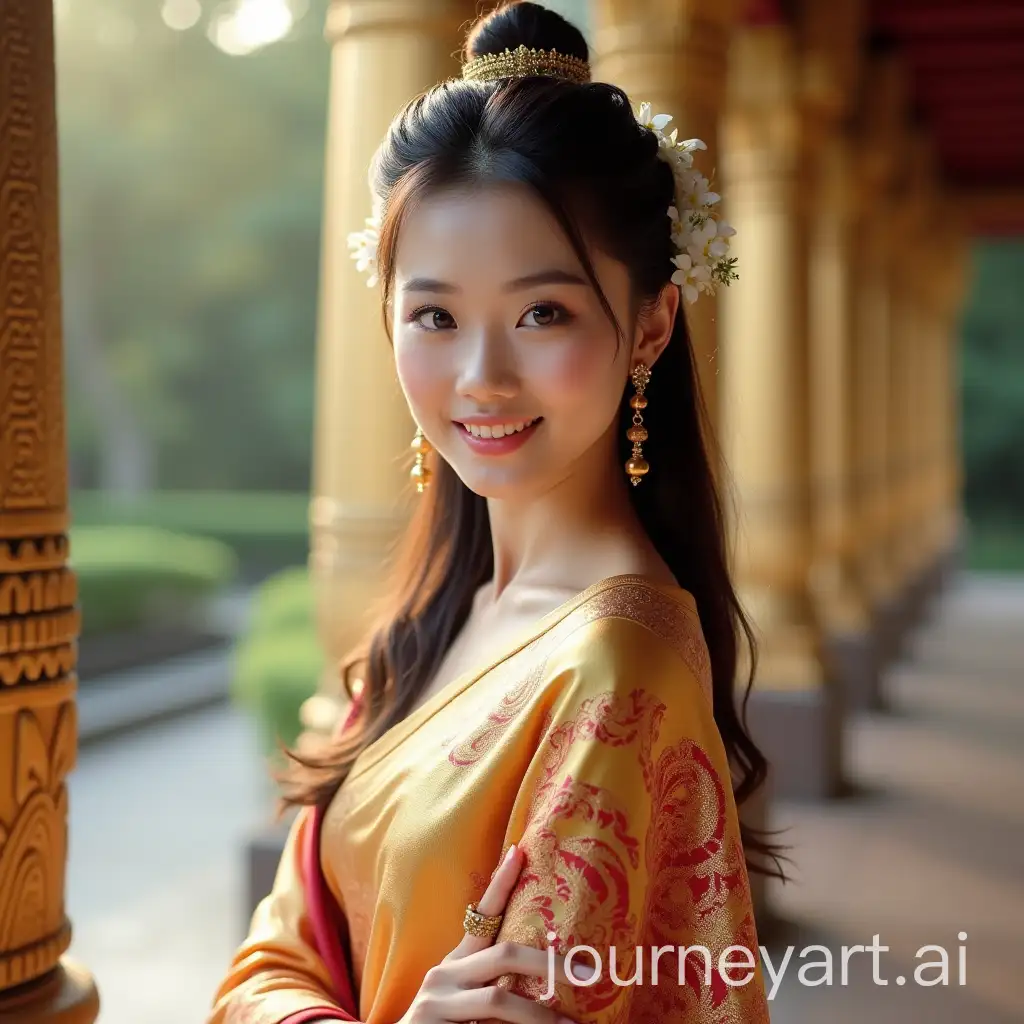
[{"x": 932, "y": 845}]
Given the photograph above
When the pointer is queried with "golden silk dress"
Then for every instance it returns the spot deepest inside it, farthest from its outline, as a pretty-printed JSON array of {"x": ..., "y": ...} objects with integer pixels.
[{"x": 590, "y": 744}]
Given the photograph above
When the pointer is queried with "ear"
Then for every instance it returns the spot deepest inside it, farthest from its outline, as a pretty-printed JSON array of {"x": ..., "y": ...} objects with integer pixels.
[{"x": 654, "y": 326}]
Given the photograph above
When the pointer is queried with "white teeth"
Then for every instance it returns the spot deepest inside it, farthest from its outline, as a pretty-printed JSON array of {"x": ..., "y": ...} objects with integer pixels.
[{"x": 499, "y": 429}]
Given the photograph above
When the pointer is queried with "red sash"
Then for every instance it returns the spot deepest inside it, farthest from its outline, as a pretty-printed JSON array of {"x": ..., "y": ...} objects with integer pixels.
[{"x": 330, "y": 930}]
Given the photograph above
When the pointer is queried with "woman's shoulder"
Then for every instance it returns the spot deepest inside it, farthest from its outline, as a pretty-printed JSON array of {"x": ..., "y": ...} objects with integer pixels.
[{"x": 632, "y": 628}]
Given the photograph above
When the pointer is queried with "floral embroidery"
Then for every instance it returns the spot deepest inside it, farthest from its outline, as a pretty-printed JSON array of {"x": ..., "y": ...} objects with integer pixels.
[
  {"x": 698, "y": 891},
  {"x": 579, "y": 841},
  {"x": 576, "y": 886},
  {"x": 485, "y": 737}
]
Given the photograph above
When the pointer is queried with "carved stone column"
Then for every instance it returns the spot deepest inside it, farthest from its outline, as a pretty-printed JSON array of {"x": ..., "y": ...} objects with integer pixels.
[
  {"x": 764, "y": 411},
  {"x": 385, "y": 52},
  {"x": 39, "y": 619},
  {"x": 675, "y": 57}
]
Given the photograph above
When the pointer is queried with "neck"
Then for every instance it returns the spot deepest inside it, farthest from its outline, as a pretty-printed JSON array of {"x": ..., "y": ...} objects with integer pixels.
[{"x": 579, "y": 531}]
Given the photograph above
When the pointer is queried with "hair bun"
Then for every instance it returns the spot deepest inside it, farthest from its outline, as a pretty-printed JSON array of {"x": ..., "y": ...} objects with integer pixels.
[{"x": 525, "y": 24}]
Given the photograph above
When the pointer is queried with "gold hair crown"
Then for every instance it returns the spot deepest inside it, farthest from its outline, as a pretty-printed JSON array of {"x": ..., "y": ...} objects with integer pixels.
[{"x": 523, "y": 63}]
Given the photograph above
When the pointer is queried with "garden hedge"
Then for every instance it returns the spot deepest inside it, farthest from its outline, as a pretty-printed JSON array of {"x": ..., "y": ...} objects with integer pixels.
[{"x": 129, "y": 576}]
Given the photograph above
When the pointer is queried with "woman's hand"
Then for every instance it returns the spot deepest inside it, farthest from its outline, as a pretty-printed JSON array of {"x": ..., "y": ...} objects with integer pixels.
[{"x": 461, "y": 987}]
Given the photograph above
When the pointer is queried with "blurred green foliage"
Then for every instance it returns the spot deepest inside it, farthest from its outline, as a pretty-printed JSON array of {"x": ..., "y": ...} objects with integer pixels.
[
  {"x": 992, "y": 375},
  {"x": 191, "y": 193},
  {"x": 278, "y": 661},
  {"x": 130, "y": 576},
  {"x": 266, "y": 531},
  {"x": 995, "y": 548}
]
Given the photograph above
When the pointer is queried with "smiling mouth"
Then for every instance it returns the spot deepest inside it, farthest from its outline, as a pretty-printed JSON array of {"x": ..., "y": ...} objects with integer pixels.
[{"x": 499, "y": 430}]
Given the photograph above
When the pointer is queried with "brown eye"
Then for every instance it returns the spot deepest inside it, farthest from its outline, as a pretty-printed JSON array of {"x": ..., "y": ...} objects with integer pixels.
[
  {"x": 544, "y": 314},
  {"x": 433, "y": 318}
]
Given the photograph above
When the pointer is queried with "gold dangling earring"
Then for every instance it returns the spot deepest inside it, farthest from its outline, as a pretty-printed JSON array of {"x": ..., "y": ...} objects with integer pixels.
[
  {"x": 419, "y": 474},
  {"x": 637, "y": 467}
]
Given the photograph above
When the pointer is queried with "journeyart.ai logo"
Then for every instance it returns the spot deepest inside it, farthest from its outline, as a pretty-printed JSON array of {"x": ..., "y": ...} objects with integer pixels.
[{"x": 736, "y": 965}]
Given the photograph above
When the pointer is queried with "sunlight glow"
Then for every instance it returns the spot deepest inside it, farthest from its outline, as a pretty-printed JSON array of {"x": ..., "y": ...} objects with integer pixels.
[
  {"x": 114, "y": 31},
  {"x": 181, "y": 14},
  {"x": 250, "y": 25}
]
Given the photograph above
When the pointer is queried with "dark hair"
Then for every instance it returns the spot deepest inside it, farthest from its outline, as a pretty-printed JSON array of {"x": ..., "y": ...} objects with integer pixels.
[{"x": 580, "y": 148}]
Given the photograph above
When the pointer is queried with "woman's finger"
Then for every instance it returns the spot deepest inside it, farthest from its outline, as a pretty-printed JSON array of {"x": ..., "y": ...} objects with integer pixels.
[
  {"x": 495, "y": 1003},
  {"x": 502, "y": 883},
  {"x": 493, "y": 901},
  {"x": 487, "y": 965}
]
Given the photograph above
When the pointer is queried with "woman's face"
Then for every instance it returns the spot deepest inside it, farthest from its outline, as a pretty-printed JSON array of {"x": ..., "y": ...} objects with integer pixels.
[{"x": 510, "y": 364}]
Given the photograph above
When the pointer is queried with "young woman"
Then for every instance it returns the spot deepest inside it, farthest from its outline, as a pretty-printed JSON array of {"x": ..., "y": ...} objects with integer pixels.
[{"x": 553, "y": 688}]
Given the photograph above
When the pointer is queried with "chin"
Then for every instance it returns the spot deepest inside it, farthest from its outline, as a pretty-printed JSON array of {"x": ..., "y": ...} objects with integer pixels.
[{"x": 502, "y": 484}]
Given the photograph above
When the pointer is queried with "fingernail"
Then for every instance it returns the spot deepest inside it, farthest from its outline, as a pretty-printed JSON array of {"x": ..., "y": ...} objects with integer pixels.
[
  {"x": 582, "y": 973},
  {"x": 510, "y": 854}
]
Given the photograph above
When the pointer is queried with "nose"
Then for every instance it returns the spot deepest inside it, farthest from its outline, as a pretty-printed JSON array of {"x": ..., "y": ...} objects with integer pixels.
[{"x": 487, "y": 367}]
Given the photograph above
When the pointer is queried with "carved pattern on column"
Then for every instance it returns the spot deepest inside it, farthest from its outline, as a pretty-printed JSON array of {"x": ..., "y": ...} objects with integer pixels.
[
  {"x": 34, "y": 931},
  {"x": 39, "y": 620}
]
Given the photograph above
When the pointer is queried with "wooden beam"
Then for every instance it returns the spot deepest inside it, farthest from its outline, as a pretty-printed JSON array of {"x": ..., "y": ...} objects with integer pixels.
[
  {"x": 994, "y": 211},
  {"x": 992, "y": 54},
  {"x": 934, "y": 19}
]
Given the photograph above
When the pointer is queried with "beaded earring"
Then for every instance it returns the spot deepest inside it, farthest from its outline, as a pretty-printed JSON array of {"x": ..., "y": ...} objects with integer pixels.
[{"x": 637, "y": 467}]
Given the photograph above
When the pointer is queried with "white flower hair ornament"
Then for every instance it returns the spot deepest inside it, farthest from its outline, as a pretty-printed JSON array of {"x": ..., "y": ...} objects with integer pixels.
[
  {"x": 702, "y": 242},
  {"x": 364, "y": 248}
]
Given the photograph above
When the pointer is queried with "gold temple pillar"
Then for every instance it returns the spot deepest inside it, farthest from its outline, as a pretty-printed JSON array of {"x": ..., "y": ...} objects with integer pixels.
[
  {"x": 764, "y": 407},
  {"x": 385, "y": 52},
  {"x": 952, "y": 283},
  {"x": 927, "y": 545},
  {"x": 909, "y": 543},
  {"x": 39, "y": 618},
  {"x": 881, "y": 116},
  {"x": 900, "y": 540},
  {"x": 834, "y": 314},
  {"x": 830, "y": 63},
  {"x": 675, "y": 57},
  {"x": 871, "y": 403},
  {"x": 935, "y": 303}
]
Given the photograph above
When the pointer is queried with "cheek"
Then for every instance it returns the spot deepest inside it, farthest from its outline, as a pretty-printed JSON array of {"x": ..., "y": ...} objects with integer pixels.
[
  {"x": 422, "y": 373},
  {"x": 579, "y": 374}
]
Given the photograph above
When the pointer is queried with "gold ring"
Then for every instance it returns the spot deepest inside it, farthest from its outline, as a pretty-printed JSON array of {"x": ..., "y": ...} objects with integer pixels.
[{"x": 479, "y": 925}]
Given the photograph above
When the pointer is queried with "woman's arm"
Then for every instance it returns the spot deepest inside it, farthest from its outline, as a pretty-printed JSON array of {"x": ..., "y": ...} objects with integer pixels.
[
  {"x": 279, "y": 975},
  {"x": 631, "y": 837}
]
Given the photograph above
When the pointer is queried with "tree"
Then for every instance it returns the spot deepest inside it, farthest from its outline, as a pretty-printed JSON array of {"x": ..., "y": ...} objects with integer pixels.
[{"x": 191, "y": 186}]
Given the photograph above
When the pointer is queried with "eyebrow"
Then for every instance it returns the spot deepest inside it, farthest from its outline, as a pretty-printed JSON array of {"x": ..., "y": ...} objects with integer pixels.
[{"x": 552, "y": 276}]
